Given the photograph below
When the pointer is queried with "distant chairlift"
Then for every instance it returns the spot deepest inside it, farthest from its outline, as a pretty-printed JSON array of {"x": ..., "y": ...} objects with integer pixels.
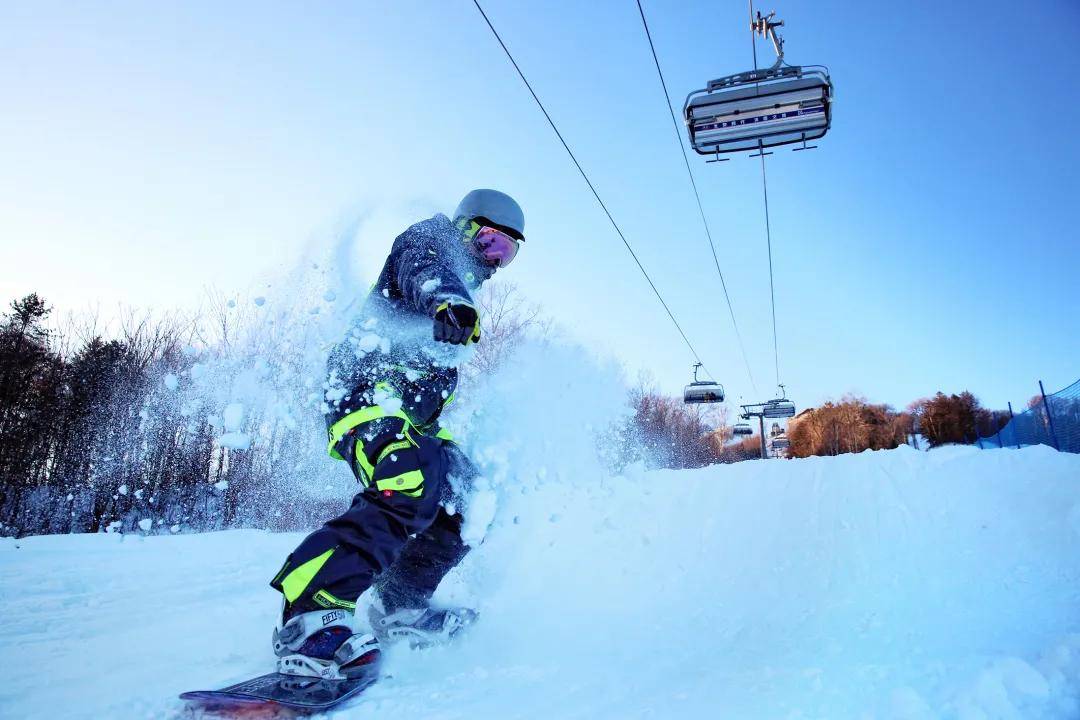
[
  {"x": 742, "y": 429},
  {"x": 703, "y": 391},
  {"x": 781, "y": 407},
  {"x": 760, "y": 109},
  {"x": 781, "y": 443}
]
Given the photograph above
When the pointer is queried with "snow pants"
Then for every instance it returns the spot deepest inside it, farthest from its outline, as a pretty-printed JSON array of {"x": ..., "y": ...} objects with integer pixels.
[{"x": 396, "y": 531}]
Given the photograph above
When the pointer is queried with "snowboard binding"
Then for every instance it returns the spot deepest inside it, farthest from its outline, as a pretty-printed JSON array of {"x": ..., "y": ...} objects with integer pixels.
[
  {"x": 324, "y": 644},
  {"x": 421, "y": 627}
]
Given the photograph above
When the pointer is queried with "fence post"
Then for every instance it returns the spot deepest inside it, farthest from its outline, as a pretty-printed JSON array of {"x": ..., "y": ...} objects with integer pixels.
[
  {"x": 1049, "y": 417},
  {"x": 1011, "y": 418}
]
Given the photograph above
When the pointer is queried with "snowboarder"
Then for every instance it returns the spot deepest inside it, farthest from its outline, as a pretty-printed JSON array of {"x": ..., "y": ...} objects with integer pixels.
[{"x": 389, "y": 380}]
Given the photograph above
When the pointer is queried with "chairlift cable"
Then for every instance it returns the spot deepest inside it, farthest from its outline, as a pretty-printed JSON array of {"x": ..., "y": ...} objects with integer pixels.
[
  {"x": 772, "y": 291},
  {"x": 768, "y": 229},
  {"x": 589, "y": 183},
  {"x": 697, "y": 196}
]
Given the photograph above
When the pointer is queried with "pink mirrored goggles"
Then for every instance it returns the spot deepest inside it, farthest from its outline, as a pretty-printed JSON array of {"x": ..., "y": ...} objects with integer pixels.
[{"x": 495, "y": 246}]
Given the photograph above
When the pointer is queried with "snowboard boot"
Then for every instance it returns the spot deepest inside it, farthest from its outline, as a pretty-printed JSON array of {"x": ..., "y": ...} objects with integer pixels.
[
  {"x": 421, "y": 627},
  {"x": 324, "y": 644}
]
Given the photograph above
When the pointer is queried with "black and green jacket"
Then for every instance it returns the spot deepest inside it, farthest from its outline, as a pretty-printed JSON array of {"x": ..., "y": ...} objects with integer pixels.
[{"x": 389, "y": 348}]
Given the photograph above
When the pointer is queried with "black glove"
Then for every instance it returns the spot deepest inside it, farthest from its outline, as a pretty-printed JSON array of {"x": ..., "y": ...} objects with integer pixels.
[{"x": 457, "y": 323}]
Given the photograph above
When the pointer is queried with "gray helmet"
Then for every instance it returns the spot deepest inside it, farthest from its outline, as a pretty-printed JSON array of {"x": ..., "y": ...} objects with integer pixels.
[{"x": 497, "y": 208}]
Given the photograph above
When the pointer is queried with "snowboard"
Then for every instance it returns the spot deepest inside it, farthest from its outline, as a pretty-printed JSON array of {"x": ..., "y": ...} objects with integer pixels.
[{"x": 276, "y": 690}]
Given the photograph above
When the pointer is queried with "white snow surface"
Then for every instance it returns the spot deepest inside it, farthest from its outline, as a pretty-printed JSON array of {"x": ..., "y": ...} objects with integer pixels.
[{"x": 897, "y": 584}]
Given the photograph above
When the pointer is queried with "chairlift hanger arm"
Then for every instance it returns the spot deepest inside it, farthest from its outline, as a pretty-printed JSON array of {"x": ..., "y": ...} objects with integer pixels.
[{"x": 766, "y": 28}]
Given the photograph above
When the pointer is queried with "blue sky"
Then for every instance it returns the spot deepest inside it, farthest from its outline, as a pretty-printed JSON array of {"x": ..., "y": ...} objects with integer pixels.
[{"x": 151, "y": 150}]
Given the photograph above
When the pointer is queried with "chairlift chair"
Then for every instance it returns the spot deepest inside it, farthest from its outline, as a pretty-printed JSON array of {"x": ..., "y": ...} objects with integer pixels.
[
  {"x": 703, "y": 391},
  {"x": 779, "y": 408},
  {"x": 781, "y": 443},
  {"x": 761, "y": 109},
  {"x": 742, "y": 429},
  {"x": 757, "y": 110}
]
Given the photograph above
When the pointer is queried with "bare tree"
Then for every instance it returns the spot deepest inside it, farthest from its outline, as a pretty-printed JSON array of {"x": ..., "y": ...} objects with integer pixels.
[
  {"x": 850, "y": 425},
  {"x": 506, "y": 318},
  {"x": 149, "y": 338}
]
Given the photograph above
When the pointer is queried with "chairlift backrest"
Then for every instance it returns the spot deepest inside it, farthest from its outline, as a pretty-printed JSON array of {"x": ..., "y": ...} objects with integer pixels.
[
  {"x": 781, "y": 443},
  {"x": 703, "y": 391},
  {"x": 759, "y": 109},
  {"x": 742, "y": 429}
]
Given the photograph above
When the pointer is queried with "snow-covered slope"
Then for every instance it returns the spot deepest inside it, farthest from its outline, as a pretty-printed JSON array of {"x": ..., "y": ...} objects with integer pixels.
[{"x": 890, "y": 585}]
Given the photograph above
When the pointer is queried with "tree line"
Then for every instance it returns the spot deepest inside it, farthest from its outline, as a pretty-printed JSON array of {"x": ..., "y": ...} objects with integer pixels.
[
  {"x": 675, "y": 435},
  {"x": 853, "y": 424},
  {"x": 94, "y": 436}
]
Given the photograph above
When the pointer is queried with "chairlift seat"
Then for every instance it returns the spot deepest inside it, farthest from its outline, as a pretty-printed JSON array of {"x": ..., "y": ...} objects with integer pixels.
[
  {"x": 778, "y": 409},
  {"x": 742, "y": 429},
  {"x": 781, "y": 443},
  {"x": 703, "y": 391},
  {"x": 761, "y": 109}
]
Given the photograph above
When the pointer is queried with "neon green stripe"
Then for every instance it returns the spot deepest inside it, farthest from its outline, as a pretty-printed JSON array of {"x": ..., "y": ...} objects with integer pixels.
[
  {"x": 297, "y": 581},
  {"x": 367, "y": 470},
  {"x": 339, "y": 429},
  {"x": 326, "y": 600},
  {"x": 444, "y": 434},
  {"x": 410, "y": 483},
  {"x": 392, "y": 448}
]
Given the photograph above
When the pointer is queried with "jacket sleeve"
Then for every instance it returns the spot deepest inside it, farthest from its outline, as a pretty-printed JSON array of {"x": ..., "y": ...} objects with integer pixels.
[{"x": 426, "y": 275}]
